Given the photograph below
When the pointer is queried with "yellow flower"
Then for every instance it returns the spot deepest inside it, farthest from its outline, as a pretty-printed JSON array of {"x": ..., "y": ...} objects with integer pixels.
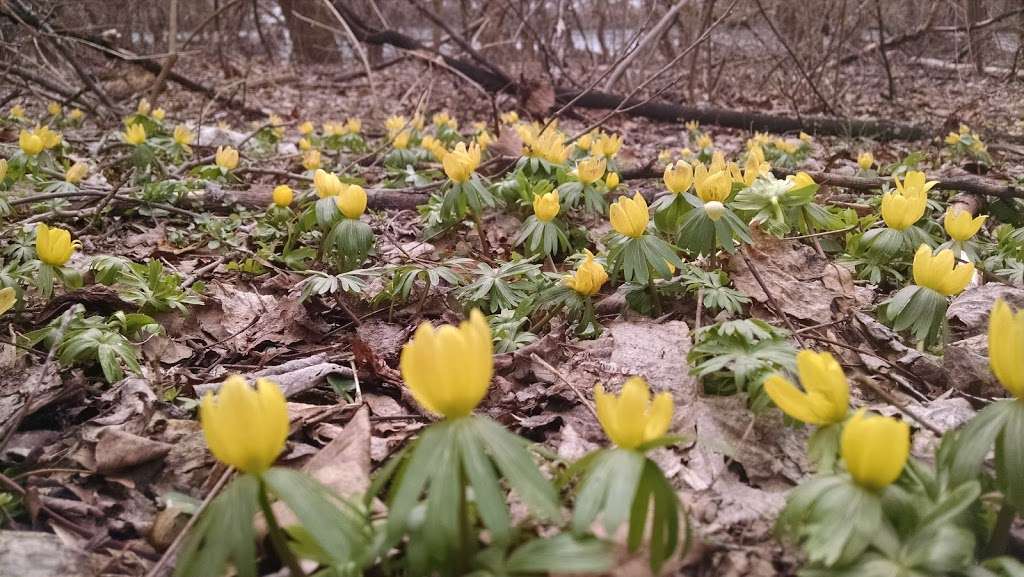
[
  {"x": 585, "y": 142},
  {"x": 76, "y": 172},
  {"x": 715, "y": 186},
  {"x": 30, "y": 143},
  {"x": 76, "y": 114},
  {"x": 952, "y": 139},
  {"x": 906, "y": 205},
  {"x": 326, "y": 183},
  {"x": 311, "y": 160},
  {"x": 304, "y": 144},
  {"x": 7, "y": 299},
  {"x": 332, "y": 128},
  {"x": 54, "y": 108},
  {"x": 629, "y": 215},
  {"x": 510, "y": 117},
  {"x": 183, "y": 136},
  {"x": 865, "y": 160},
  {"x": 800, "y": 180},
  {"x": 353, "y": 125},
  {"x": 589, "y": 277},
  {"x": 714, "y": 209},
  {"x": 53, "y": 245},
  {"x": 306, "y": 128},
  {"x": 395, "y": 124},
  {"x": 590, "y": 169},
  {"x": 448, "y": 369},
  {"x": 444, "y": 119},
  {"x": 633, "y": 418},
  {"x": 135, "y": 135},
  {"x": 938, "y": 273},
  {"x": 276, "y": 124},
  {"x": 914, "y": 182},
  {"x": 434, "y": 147},
  {"x": 283, "y": 195},
  {"x": 3, "y": 168},
  {"x": 805, "y": 137},
  {"x": 484, "y": 139},
  {"x": 50, "y": 138},
  {"x": 545, "y": 206},
  {"x": 551, "y": 147},
  {"x": 401, "y": 142},
  {"x": 417, "y": 121},
  {"x": 159, "y": 114},
  {"x": 692, "y": 125},
  {"x": 351, "y": 201},
  {"x": 1005, "y": 347},
  {"x": 606, "y": 145},
  {"x": 961, "y": 226},
  {"x": 678, "y": 177},
  {"x": 875, "y": 449},
  {"x": 17, "y": 111},
  {"x": 245, "y": 428},
  {"x": 704, "y": 141},
  {"x": 612, "y": 180},
  {"x": 825, "y": 395},
  {"x": 226, "y": 157},
  {"x": 144, "y": 107},
  {"x": 460, "y": 163}
]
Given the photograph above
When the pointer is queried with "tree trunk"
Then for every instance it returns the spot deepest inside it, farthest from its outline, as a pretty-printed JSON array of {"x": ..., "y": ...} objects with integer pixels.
[{"x": 310, "y": 43}]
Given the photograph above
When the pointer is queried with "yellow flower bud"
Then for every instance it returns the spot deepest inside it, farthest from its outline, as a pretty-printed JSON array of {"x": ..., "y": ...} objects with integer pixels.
[
  {"x": 282, "y": 195},
  {"x": 591, "y": 169},
  {"x": 3, "y": 168},
  {"x": 144, "y": 107},
  {"x": 326, "y": 183},
  {"x": 182, "y": 135},
  {"x": 460, "y": 163},
  {"x": 50, "y": 138},
  {"x": 704, "y": 142},
  {"x": 952, "y": 139},
  {"x": 938, "y": 272},
  {"x": 914, "y": 183},
  {"x": 353, "y": 125},
  {"x": 545, "y": 206},
  {"x": 444, "y": 119},
  {"x": 17, "y": 111},
  {"x": 395, "y": 124},
  {"x": 7, "y": 299},
  {"x": 434, "y": 147},
  {"x": 135, "y": 135},
  {"x": 76, "y": 114},
  {"x": 633, "y": 418},
  {"x": 401, "y": 142},
  {"x": 960, "y": 226},
  {"x": 53, "y": 245},
  {"x": 304, "y": 144},
  {"x": 589, "y": 277},
  {"x": 612, "y": 180},
  {"x": 865, "y": 160},
  {"x": 678, "y": 177},
  {"x": 306, "y": 128},
  {"x": 1005, "y": 347},
  {"x": 875, "y": 449},
  {"x": 803, "y": 136},
  {"x": 510, "y": 117},
  {"x": 714, "y": 209},
  {"x": 351, "y": 201},
  {"x": 825, "y": 395},
  {"x": 311, "y": 159},
  {"x": 54, "y": 108},
  {"x": 226, "y": 157},
  {"x": 76, "y": 172},
  {"x": 30, "y": 143},
  {"x": 585, "y": 142},
  {"x": 906, "y": 205},
  {"x": 607, "y": 145},
  {"x": 448, "y": 369},
  {"x": 245, "y": 428},
  {"x": 159, "y": 114},
  {"x": 629, "y": 216},
  {"x": 713, "y": 186}
]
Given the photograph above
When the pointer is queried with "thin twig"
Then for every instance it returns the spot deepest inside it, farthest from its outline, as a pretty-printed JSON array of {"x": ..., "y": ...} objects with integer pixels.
[{"x": 583, "y": 399}]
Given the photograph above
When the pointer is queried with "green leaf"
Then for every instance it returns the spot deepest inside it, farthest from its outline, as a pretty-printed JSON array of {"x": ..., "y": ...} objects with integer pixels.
[
  {"x": 513, "y": 460},
  {"x": 562, "y": 553},
  {"x": 414, "y": 475},
  {"x": 224, "y": 534},
  {"x": 974, "y": 441},
  {"x": 490, "y": 499},
  {"x": 1010, "y": 455}
]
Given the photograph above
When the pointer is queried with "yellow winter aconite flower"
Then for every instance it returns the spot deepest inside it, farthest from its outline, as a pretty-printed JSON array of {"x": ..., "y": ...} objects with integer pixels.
[
  {"x": 803, "y": 136},
  {"x": 715, "y": 186},
  {"x": 282, "y": 195},
  {"x": 434, "y": 147},
  {"x": 76, "y": 114},
  {"x": 183, "y": 136},
  {"x": 305, "y": 144},
  {"x": 50, "y": 138},
  {"x": 30, "y": 143},
  {"x": 401, "y": 141},
  {"x": 441, "y": 119},
  {"x": 353, "y": 125},
  {"x": 448, "y": 369},
  {"x": 159, "y": 114},
  {"x": 914, "y": 182},
  {"x": 678, "y": 177},
  {"x": 875, "y": 449},
  {"x": 326, "y": 183},
  {"x": 7, "y": 299},
  {"x": 226, "y": 157},
  {"x": 54, "y": 108},
  {"x": 135, "y": 134},
  {"x": 865, "y": 160},
  {"x": 245, "y": 428},
  {"x": 588, "y": 278},
  {"x": 825, "y": 395},
  {"x": 484, "y": 139},
  {"x": 545, "y": 206},
  {"x": 144, "y": 107},
  {"x": 590, "y": 169},
  {"x": 961, "y": 226},
  {"x": 704, "y": 141},
  {"x": 606, "y": 145},
  {"x": 585, "y": 142},
  {"x": 417, "y": 121},
  {"x": 629, "y": 216},
  {"x": 53, "y": 245},
  {"x": 17, "y": 111},
  {"x": 801, "y": 180},
  {"x": 460, "y": 163},
  {"x": 938, "y": 272},
  {"x": 76, "y": 172},
  {"x": 510, "y": 117},
  {"x": 306, "y": 128},
  {"x": 351, "y": 201},
  {"x": 906, "y": 205},
  {"x": 311, "y": 159},
  {"x": 395, "y": 124},
  {"x": 633, "y": 418},
  {"x": 1006, "y": 347}
]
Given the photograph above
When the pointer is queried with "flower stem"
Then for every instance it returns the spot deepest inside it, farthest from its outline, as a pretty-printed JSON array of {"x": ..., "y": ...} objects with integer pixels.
[
  {"x": 277, "y": 536},
  {"x": 655, "y": 299},
  {"x": 484, "y": 247},
  {"x": 1000, "y": 539}
]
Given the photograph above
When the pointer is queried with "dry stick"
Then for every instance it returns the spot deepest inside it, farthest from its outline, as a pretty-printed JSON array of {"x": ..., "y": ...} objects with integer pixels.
[
  {"x": 458, "y": 39},
  {"x": 202, "y": 271},
  {"x": 356, "y": 46},
  {"x": 106, "y": 201},
  {"x": 586, "y": 402},
  {"x": 881, "y": 50},
  {"x": 796, "y": 61},
  {"x": 653, "y": 35},
  {"x": 173, "y": 547},
  {"x": 172, "y": 41},
  {"x": 98, "y": 194},
  {"x": 771, "y": 299}
]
